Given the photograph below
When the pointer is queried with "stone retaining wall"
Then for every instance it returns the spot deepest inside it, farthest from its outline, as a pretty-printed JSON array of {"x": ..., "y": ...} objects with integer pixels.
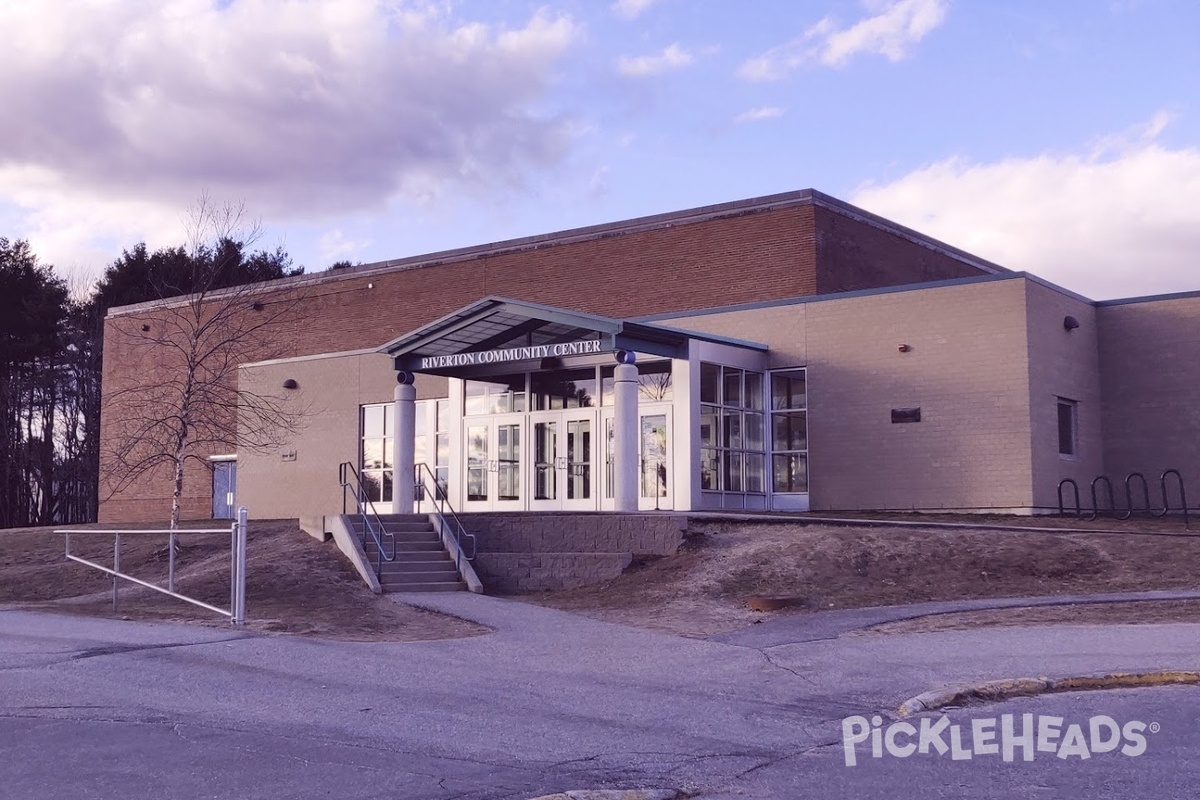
[
  {"x": 532, "y": 572},
  {"x": 538, "y": 551}
]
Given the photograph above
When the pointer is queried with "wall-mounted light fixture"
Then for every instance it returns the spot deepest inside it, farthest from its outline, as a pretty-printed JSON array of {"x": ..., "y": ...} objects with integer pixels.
[
  {"x": 904, "y": 348},
  {"x": 290, "y": 383},
  {"x": 145, "y": 327},
  {"x": 1070, "y": 323},
  {"x": 257, "y": 306}
]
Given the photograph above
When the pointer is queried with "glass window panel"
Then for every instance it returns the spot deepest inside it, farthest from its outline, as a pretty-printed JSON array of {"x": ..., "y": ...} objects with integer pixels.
[
  {"x": 575, "y": 388},
  {"x": 654, "y": 382},
  {"x": 754, "y": 391},
  {"x": 710, "y": 426},
  {"x": 443, "y": 415},
  {"x": 420, "y": 451},
  {"x": 498, "y": 395},
  {"x": 733, "y": 472},
  {"x": 1066, "y": 427},
  {"x": 733, "y": 387},
  {"x": 388, "y": 452},
  {"x": 387, "y": 486},
  {"x": 755, "y": 472},
  {"x": 788, "y": 390},
  {"x": 790, "y": 472},
  {"x": 753, "y": 432},
  {"x": 443, "y": 449},
  {"x": 790, "y": 431},
  {"x": 710, "y": 383},
  {"x": 373, "y": 420},
  {"x": 420, "y": 419},
  {"x": 710, "y": 469},
  {"x": 372, "y": 454},
  {"x": 373, "y": 486},
  {"x": 731, "y": 429}
]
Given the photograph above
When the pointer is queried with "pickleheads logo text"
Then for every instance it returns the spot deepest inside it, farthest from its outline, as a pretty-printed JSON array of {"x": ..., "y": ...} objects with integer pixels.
[{"x": 1029, "y": 736}]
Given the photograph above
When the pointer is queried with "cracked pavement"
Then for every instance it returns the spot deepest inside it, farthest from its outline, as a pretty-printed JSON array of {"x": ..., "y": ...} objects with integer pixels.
[{"x": 551, "y": 701}]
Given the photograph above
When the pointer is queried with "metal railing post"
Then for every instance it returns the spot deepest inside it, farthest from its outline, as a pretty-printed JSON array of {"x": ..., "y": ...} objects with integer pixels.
[
  {"x": 239, "y": 609},
  {"x": 233, "y": 571},
  {"x": 116, "y": 567}
]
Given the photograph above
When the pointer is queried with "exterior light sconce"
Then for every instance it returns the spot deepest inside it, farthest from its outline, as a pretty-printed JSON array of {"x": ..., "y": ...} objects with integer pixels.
[
  {"x": 1070, "y": 323},
  {"x": 257, "y": 306},
  {"x": 145, "y": 327},
  {"x": 905, "y": 348},
  {"x": 290, "y": 383}
]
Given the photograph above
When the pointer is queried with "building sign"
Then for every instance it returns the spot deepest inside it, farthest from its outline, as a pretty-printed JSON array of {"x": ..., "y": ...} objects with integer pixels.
[{"x": 536, "y": 351}]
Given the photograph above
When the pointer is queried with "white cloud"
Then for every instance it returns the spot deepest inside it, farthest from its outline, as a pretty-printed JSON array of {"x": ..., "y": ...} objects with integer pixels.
[
  {"x": 672, "y": 57},
  {"x": 892, "y": 33},
  {"x": 758, "y": 114},
  {"x": 631, "y": 9},
  {"x": 1120, "y": 219},
  {"x": 115, "y": 110},
  {"x": 334, "y": 246}
]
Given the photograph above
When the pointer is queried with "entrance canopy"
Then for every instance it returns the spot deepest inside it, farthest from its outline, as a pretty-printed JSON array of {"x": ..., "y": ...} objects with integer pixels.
[{"x": 496, "y": 330}]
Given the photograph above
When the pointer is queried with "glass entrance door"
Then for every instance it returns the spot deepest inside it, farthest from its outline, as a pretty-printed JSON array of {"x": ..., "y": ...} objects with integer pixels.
[
  {"x": 563, "y": 460},
  {"x": 654, "y": 459},
  {"x": 579, "y": 449},
  {"x": 494, "y": 463}
]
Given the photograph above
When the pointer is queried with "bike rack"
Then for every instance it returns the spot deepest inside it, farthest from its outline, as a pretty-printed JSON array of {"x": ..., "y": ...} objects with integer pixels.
[{"x": 1135, "y": 484}]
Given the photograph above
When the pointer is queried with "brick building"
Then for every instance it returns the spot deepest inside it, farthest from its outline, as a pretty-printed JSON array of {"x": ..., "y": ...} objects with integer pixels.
[{"x": 787, "y": 352}]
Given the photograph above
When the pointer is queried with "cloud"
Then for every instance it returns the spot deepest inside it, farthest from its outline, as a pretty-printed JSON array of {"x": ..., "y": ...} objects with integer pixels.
[
  {"x": 672, "y": 57},
  {"x": 334, "y": 246},
  {"x": 758, "y": 114},
  {"x": 299, "y": 108},
  {"x": 1119, "y": 219},
  {"x": 631, "y": 9},
  {"x": 891, "y": 33}
]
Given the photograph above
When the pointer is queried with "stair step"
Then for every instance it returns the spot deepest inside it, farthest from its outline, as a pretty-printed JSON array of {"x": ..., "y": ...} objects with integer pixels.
[
  {"x": 419, "y": 576},
  {"x": 398, "y": 527},
  {"x": 456, "y": 586}
]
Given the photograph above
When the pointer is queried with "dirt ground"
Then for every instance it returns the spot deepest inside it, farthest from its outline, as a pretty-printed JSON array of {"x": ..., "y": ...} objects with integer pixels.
[
  {"x": 705, "y": 588},
  {"x": 298, "y": 585},
  {"x": 294, "y": 584}
]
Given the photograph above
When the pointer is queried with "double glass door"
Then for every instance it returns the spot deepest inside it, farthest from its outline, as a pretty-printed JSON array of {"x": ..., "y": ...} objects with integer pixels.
[
  {"x": 542, "y": 461},
  {"x": 563, "y": 462},
  {"x": 494, "y": 447}
]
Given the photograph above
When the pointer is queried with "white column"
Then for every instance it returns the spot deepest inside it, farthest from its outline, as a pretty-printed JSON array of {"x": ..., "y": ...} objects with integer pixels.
[
  {"x": 625, "y": 433},
  {"x": 404, "y": 444}
]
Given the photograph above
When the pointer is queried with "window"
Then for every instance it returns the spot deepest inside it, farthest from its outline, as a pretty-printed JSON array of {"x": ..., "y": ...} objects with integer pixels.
[
  {"x": 789, "y": 431},
  {"x": 375, "y": 454},
  {"x": 502, "y": 394},
  {"x": 732, "y": 457},
  {"x": 654, "y": 382},
  {"x": 1068, "y": 427}
]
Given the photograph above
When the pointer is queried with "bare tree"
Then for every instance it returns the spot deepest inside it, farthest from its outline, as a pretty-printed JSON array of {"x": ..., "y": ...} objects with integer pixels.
[{"x": 185, "y": 404}]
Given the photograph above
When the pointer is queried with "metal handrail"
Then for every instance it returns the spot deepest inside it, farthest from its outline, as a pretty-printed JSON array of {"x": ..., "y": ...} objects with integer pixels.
[
  {"x": 365, "y": 509},
  {"x": 441, "y": 504}
]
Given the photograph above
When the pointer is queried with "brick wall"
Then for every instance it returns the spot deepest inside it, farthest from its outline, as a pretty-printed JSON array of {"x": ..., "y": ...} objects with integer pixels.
[
  {"x": 1150, "y": 375},
  {"x": 748, "y": 254}
]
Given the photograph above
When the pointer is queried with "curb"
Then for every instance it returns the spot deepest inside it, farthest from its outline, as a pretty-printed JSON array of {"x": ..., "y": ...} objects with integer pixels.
[
  {"x": 615, "y": 794},
  {"x": 995, "y": 691}
]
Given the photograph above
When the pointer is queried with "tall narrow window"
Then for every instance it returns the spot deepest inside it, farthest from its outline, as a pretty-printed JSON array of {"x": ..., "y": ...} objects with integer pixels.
[
  {"x": 1068, "y": 427},
  {"x": 789, "y": 431},
  {"x": 375, "y": 456}
]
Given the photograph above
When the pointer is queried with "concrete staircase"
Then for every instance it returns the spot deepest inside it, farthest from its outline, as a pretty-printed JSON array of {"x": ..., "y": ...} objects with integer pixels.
[{"x": 422, "y": 563}]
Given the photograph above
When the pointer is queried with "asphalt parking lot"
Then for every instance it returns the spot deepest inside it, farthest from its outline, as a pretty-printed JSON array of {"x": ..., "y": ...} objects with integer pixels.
[{"x": 551, "y": 701}]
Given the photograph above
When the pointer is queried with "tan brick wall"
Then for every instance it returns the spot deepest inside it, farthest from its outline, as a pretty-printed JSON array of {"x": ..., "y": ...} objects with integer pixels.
[
  {"x": 1150, "y": 372},
  {"x": 1064, "y": 364},
  {"x": 967, "y": 371},
  {"x": 331, "y": 390}
]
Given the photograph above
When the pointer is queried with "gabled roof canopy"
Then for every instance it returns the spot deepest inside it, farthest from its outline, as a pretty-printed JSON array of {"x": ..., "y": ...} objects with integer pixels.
[{"x": 515, "y": 330}]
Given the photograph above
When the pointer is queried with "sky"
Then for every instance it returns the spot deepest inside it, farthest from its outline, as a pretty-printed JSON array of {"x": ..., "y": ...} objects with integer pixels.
[{"x": 1060, "y": 137}]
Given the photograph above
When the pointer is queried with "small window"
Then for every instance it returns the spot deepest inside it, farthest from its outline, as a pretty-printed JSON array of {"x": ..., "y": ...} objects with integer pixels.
[{"x": 1068, "y": 427}]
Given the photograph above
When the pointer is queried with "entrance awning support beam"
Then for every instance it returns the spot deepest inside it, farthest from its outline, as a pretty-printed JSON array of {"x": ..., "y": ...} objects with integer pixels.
[{"x": 625, "y": 433}]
